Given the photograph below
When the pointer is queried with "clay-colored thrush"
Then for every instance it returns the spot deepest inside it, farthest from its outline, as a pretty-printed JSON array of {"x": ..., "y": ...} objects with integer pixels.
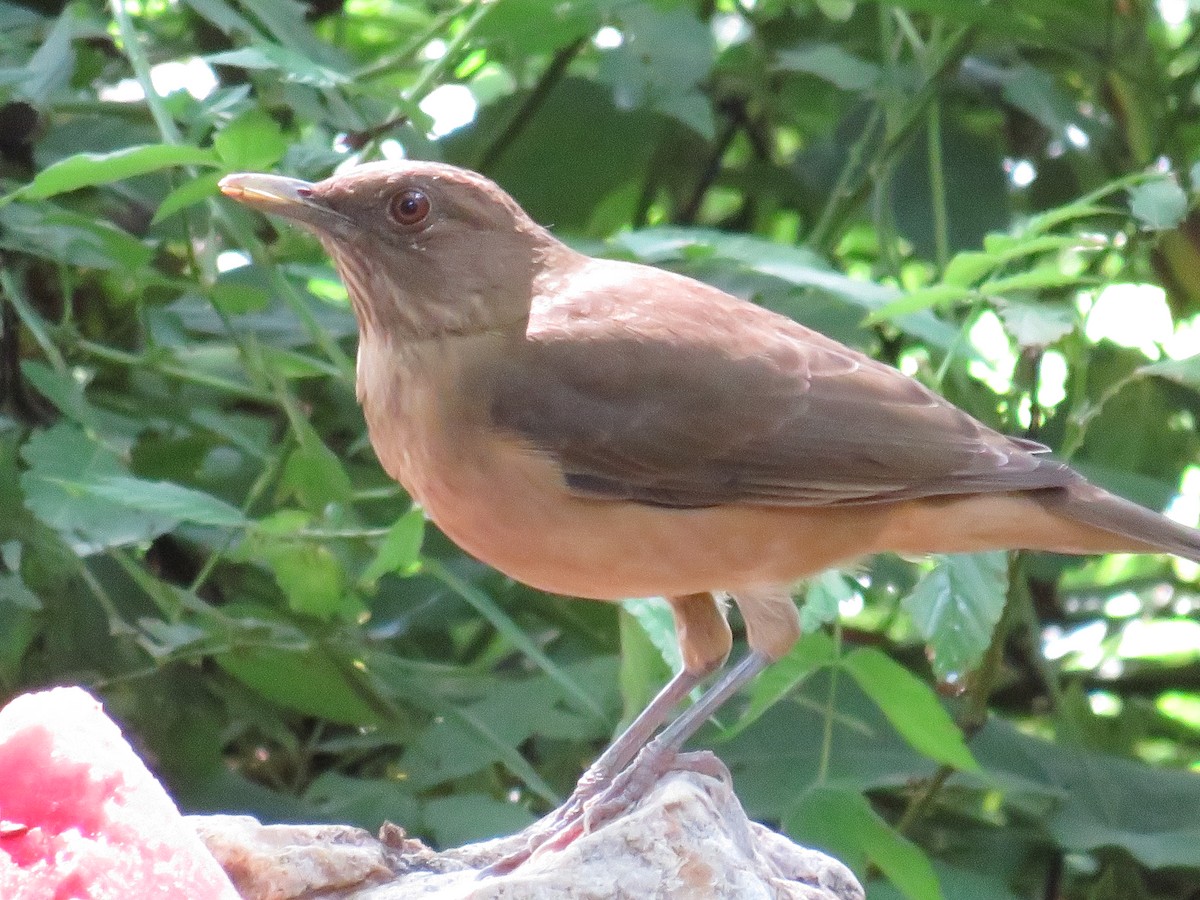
[{"x": 603, "y": 429}]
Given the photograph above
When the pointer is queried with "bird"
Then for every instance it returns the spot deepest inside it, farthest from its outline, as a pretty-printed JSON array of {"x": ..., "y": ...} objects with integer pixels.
[{"x": 602, "y": 429}]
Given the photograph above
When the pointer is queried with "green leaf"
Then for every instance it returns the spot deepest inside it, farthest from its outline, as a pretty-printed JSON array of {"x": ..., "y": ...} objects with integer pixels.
[
  {"x": 911, "y": 706},
  {"x": 956, "y": 606},
  {"x": 842, "y": 821},
  {"x": 557, "y": 24},
  {"x": 44, "y": 230},
  {"x": 315, "y": 476},
  {"x": 295, "y": 67},
  {"x": 292, "y": 364},
  {"x": 283, "y": 523},
  {"x": 643, "y": 669},
  {"x": 832, "y": 63},
  {"x": 504, "y": 624},
  {"x": 656, "y": 621},
  {"x": 1037, "y": 324},
  {"x": 63, "y": 464},
  {"x": 222, "y": 15},
  {"x": 1037, "y": 93},
  {"x": 307, "y": 679},
  {"x": 50, "y": 68},
  {"x": 63, "y": 391},
  {"x": 822, "y": 601},
  {"x": 665, "y": 56},
  {"x": 1158, "y": 204},
  {"x": 160, "y": 497},
  {"x": 809, "y": 654},
  {"x": 1180, "y": 371},
  {"x": 240, "y": 291},
  {"x": 937, "y": 295},
  {"x": 838, "y": 10},
  {"x": 91, "y": 169},
  {"x": 252, "y": 141},
  {"x": 400, "y": 550},
  {"x": 1041, "y": 278},
  {"x": 311, "y": 578},
  {"x": 967, "y": 268},
  {"x": 14, "y": 592},
  {"x": 192, "y": 191},
  {"x": 365, "y": 802},
  {"x": 464, "y": 818}
]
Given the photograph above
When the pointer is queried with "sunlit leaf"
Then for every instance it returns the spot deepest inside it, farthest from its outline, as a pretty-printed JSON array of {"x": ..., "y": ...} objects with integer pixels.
[
  {"x": 921, "y": 299},
  {"x": 294, "y": 66},
  {"x": 911, "y": 706},
  {"x": 400, "y": 550},
  {"x": 311, "y": 578},
  {"x": 315, "y": 476},
  {"x": 91, "y": 169},
  {"x": 193, "y": 191},
  {"x": 654, "y": 617},
  {"x": 1158, "y": 204},
  {"x": 823, "y": 599},
  {"x": 252, "y": 141},
  {"x": 1037, "y": 324},
  {"x": 956, "y": 606}
]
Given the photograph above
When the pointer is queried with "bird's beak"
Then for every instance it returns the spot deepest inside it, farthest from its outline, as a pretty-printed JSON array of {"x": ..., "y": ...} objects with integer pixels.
[{"x": 288, "y": 197}]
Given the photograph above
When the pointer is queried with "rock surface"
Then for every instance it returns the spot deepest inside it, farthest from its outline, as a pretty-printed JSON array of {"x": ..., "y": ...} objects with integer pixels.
[{"x": 689, "y": 839}]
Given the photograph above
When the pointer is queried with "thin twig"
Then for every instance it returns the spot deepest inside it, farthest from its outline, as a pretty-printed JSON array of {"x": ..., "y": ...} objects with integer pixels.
[
  {"x": 855, "y": 181},
  {"x": 530, "y": 105},
  {"x": 712, "y": 168}
]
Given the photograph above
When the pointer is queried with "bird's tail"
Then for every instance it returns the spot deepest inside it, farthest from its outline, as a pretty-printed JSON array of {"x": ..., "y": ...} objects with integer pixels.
[{"x": 1146, "y": 530}]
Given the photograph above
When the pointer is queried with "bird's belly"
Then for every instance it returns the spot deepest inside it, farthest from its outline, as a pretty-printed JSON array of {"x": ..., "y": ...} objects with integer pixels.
[{"x": 512, "y": 511}]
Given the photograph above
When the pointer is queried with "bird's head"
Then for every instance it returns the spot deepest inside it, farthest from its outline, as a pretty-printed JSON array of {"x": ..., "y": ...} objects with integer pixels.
[{"x": 425, "y": 249}]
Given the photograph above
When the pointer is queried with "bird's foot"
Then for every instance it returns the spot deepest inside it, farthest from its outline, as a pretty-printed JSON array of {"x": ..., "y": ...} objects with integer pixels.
[
  {"x": 557, "y": 828},
  {"x": 599, "y": 798},
  {"x": 637, "y": 779}
]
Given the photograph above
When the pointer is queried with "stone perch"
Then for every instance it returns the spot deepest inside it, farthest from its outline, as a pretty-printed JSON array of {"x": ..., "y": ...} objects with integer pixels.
[{"x": 688, "y": 839}]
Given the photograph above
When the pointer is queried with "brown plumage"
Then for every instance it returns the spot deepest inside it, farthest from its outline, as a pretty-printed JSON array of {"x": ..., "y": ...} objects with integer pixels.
[{"x": 604, "y": 429}]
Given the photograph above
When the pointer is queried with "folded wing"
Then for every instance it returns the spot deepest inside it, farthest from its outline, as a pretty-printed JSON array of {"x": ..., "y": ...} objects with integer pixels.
[{"x": 663, "y": 391}]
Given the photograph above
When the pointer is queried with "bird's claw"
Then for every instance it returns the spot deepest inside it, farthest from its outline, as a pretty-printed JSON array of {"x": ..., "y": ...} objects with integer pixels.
[{"x": 598, "y": 800}]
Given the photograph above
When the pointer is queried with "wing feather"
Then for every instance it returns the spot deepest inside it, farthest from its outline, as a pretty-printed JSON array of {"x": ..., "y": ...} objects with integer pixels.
[{"x": 646, "y": 386}]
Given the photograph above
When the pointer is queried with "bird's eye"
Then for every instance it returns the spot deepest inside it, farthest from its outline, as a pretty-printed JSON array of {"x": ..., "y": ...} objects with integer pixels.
[{"x": 409, "y": 207}]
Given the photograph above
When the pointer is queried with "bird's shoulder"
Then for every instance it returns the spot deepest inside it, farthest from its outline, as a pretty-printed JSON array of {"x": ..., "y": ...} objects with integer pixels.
[{"x": 635, "y": 320}]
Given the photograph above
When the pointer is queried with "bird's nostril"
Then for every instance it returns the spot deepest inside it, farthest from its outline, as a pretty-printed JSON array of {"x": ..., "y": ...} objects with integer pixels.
[{"x": 304, "y": 192}]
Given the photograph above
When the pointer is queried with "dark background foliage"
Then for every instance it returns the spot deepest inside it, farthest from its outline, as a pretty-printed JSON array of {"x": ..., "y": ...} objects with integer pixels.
[{"x": 995, "y": 196}]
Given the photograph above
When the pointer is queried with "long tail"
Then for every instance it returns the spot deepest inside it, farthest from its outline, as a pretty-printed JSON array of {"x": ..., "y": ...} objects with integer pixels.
[{"x": 1145, "y": 529}]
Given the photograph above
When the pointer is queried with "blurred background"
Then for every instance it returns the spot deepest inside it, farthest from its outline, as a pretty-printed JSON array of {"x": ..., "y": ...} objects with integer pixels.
[{"x": 996, "y": 197}]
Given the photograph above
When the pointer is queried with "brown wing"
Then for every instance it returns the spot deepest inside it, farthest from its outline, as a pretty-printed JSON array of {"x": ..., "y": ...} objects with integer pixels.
[{"x": 646, "y": 386}]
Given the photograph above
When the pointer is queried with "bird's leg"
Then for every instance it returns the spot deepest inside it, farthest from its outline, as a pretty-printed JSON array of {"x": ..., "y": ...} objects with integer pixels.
[
  {"x": 772, "y": 628},
  {"x": 704, "y": 642},
  {"x": 661, "y": 755},
  {"x": 626, "y": 746}
]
